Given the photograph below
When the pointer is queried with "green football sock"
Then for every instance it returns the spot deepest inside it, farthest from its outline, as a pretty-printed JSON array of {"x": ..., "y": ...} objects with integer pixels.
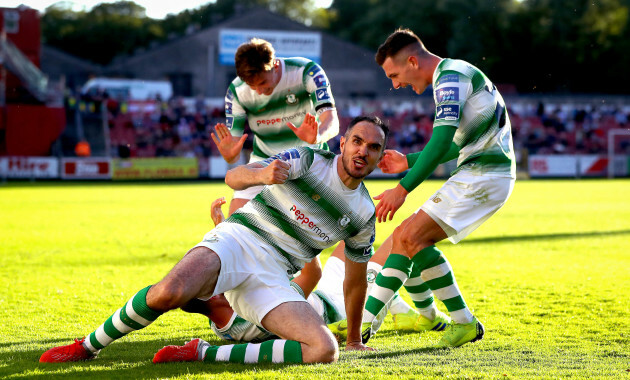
[
  {"x": 271, "y": 351},
  {"x": 437, "y": 273},
  {"x": 395, "y": 272},
  {"x": 420, "y": 294},
  {"x": 135, "y": 315}
]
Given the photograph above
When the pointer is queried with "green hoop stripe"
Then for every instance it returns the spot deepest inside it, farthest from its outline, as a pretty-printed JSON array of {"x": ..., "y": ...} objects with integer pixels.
[
  {"x": 265, "y": 355},
  {"x": 292, "y": 352}
]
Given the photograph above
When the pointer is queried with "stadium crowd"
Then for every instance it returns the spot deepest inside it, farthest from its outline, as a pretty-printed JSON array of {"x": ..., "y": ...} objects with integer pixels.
[{"x": 181, "y": 127}]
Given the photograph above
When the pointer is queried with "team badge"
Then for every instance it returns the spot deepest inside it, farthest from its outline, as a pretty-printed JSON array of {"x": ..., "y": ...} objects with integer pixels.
[
  {"x": 344, "y": 221},
  {"x": 371, "y": 276},
  {"x": 291, "y": 99},
  {"x": 212, "y": 238}
]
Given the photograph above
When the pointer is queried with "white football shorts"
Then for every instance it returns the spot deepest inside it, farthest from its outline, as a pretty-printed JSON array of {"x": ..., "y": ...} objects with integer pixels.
[
  {"x": 465, "y": 201},
  {"x": 253, "y": 282}
]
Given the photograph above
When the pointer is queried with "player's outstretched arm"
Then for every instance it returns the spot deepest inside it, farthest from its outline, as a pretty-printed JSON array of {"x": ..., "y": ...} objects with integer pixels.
[
  {"x": 229, "y": 146},
  {"x": 255, "y": 174},
  {"x": 328, "y": 125},
  {"x": 437, "y": 148},
  {"x": 354, "y": 291}
]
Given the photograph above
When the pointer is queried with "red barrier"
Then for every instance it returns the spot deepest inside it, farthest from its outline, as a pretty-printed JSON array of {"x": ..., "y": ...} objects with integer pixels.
[{"x": 31, "y": 129}]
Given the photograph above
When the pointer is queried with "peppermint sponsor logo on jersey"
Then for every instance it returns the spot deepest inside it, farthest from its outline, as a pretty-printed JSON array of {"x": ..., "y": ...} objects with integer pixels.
[
  {"x": 228, "y": 107},
  {"x": 300, "y": 115},
  {"x": 230, "y": 95},
  {"x": 229, "y": 122},
  {"x": 447, "y": 112},
  {"x": 448, "y": 78},
  {"x": 447, "y": 94},
  {"x": 323, "y": 94},
  {"x": 306, "y": 222}
]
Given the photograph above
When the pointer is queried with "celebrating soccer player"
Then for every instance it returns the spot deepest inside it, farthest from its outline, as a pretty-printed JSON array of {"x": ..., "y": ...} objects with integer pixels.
[
  {"x": 273, "y": 95},
  {"x": 313, "y": 199},
  {"x": 471, "y": 124}
]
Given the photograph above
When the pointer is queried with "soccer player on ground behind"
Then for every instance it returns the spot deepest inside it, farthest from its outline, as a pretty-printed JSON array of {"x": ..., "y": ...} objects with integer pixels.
[
  {"x": 471, "y": 124},
  {"x": 314, "y": 199},
  {"x": 271, "y": 95}
]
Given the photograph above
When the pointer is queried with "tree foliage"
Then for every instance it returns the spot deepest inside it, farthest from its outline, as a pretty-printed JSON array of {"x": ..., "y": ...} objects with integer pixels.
[{"x": 538, "y": 45}]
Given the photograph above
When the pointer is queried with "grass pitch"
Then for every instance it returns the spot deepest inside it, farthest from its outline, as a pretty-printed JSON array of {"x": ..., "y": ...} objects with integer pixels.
[{"x": 548, "y": 276}]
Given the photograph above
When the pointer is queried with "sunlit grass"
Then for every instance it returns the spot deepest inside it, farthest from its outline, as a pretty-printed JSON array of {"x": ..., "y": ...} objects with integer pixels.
[{"x": 548, "y": 276}]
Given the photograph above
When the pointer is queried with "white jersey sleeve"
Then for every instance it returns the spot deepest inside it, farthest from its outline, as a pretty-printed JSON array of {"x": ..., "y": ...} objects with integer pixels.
[
  {"x": 235, "y": 114},
  {"x": 318, "y": 86}
]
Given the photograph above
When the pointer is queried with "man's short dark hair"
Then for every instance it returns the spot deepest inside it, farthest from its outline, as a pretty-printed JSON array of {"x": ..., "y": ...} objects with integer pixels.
[
  {"x": 396, "y": 42},
  {"x": 372, "y": 119},
  {"x": 253, "y": 58}
]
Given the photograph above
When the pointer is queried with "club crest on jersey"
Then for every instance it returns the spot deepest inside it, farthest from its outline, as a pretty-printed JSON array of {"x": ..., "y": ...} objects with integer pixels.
[
  {"x": 212, "y": 237},
  {"x": 291, "y": 99},
  {"x": 371, "y": 276},
  {"x": 344, "y": 221}
]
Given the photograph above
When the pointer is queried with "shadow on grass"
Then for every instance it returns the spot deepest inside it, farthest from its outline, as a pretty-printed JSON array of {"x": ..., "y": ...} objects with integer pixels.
[
  {"x": 120, "y": 360},
  {"x": 508, "y": 239},
  {"x": 419, "y": 350}
]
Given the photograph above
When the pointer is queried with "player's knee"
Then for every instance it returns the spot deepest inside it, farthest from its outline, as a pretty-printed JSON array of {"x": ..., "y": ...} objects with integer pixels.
[
  {"x": 167, "y": 295},
  {"x": 324, "y": 349},
  {"x": 412, "y": 243},
  {"x": 327, "y": 353}
]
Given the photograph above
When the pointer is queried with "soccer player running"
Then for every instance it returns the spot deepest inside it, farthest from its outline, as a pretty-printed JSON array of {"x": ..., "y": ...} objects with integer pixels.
[
  {"x": 471, "y": 124},
  {"x": 314, "y": 199},
  {"x": 273, "y": 95}
]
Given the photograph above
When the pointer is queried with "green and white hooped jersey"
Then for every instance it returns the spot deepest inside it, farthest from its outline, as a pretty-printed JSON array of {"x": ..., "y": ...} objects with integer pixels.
[
  {"x": 311, "y": 211},
  {"x": 303, "y": 88},
  {"x": 467, "y": 99}
]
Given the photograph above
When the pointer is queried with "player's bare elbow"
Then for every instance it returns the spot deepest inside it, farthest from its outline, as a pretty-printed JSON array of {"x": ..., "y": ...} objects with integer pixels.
[{"x": 232, "y": 180}]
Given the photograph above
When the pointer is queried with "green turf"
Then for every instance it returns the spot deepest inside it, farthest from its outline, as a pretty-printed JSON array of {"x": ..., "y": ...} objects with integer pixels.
[{"x": 548, "y": 275}]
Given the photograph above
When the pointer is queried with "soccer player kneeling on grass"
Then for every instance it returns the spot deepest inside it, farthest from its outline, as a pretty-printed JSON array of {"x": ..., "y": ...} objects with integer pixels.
[
  {"x": 327, "y": 301},
  {"x": 312, "y": 200}
]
